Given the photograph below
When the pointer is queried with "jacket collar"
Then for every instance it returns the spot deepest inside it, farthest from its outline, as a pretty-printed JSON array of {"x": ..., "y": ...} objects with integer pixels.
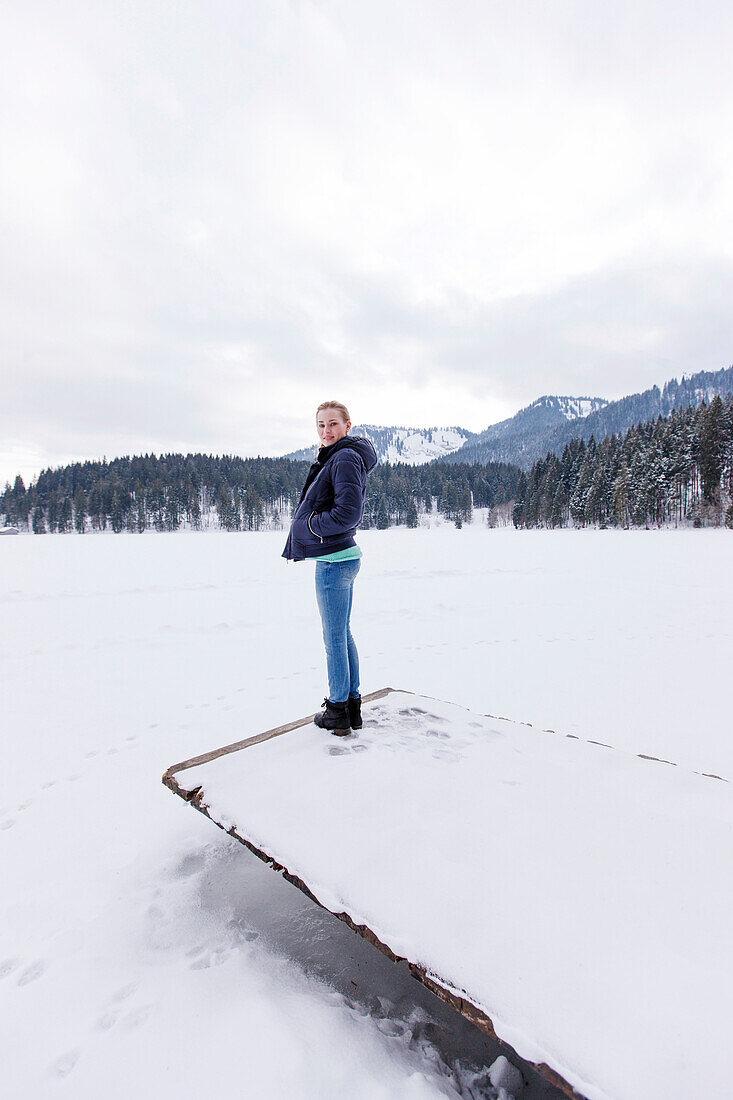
[{"x": 363, "y": 447}]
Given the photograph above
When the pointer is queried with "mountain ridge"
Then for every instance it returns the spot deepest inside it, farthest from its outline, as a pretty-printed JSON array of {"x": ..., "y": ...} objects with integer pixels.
[
  {"x": 528, "y": 441},
  {"x": 400, "y": 444},
  {"x": 546, "y": 424}
]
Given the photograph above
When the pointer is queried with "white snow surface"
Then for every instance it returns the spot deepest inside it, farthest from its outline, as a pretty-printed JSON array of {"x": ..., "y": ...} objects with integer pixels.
[
  {"x": 573, "y": 408},
  {"x": 412, "y": 446},
  {"x": 578, "y": 407},
  {"x": 139, "y": 951},
  {"x": 417, "y": 446},
  {"x": 544, "y": 876}
]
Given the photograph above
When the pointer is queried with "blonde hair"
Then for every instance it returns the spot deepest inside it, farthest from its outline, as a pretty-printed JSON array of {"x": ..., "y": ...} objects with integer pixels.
[{"x": 335, "y": 405}]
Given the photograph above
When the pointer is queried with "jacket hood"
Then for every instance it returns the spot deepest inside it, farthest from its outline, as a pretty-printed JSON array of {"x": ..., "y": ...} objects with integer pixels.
[{"x": 364, "y": 448}]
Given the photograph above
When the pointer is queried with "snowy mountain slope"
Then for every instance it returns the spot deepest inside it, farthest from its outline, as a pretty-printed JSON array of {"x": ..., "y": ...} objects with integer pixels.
[
  {"x": 417, "y": 445},
  {"x": 543, "y": 413},
  {"x": 551, "y": 422},
  {"x": 509, "y": 440},
  {"x": 572, "y": 408},
  {"x": 619, "y": 416},
  {"x": 410, "y": 445}
]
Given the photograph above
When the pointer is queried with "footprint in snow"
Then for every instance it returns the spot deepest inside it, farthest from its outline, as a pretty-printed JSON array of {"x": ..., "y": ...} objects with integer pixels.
[
  {"x": 32, "y": 973},
  {"x": 211, "y": 958},
  {"x": 447, "y": 755},
  {"x": 239, "y": 932},
  {"x": 189, "y": 865},
  {"x": 137, "y": 1017},
  {"x": 123, "y": 993},
  {"x": 392, "y": 1028},
  {"x": 63, "y": 1066},
  {"x": 7, "y": 966},
  {"x": 7, "y": 824}
]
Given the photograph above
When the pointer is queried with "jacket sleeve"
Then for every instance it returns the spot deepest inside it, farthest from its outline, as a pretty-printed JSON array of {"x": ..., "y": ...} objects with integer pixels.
[{"x": 346, "y": 511}]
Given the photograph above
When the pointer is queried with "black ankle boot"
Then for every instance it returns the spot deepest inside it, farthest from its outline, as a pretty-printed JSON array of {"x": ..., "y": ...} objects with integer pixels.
[
  {"x": 334, "y": 718},
  {"x": 355, "y": 712}
]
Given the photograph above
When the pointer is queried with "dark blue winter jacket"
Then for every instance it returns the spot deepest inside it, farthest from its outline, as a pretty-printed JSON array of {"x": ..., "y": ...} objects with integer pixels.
[{"x": 332, "y": 502}]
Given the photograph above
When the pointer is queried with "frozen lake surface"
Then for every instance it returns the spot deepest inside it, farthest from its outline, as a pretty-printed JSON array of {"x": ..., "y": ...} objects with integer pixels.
[
  {"x": 137, "y": 947},
  {"x": 540, "y": 876}
]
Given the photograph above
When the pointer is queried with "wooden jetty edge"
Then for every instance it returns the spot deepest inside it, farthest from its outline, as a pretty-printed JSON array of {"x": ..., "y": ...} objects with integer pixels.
[{"x": 445, "y": 991}]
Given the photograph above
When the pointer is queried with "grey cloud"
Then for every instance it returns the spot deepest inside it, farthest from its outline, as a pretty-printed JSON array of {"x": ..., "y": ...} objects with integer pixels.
[
  {"x": 155, "y": 283},
  {"x": 606, "y": 334}
]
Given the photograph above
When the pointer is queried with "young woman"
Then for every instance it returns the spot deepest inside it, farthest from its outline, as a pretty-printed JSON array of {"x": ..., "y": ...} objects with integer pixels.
[{"x": 324, "y": 524}]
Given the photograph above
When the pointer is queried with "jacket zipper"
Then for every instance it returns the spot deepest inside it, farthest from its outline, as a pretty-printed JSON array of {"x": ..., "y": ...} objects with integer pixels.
[
  {"x": 314, "y": 533},
  {"x": 310, "y": 517}
]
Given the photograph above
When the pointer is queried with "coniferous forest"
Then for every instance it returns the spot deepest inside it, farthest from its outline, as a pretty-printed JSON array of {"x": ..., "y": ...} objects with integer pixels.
[
  {"x": 235, "y": 494},
  {"x": 673, "y": 470}
]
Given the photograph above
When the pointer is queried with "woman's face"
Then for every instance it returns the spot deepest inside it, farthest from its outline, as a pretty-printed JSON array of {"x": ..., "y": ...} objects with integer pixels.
[{"x": 331, "y": 426}]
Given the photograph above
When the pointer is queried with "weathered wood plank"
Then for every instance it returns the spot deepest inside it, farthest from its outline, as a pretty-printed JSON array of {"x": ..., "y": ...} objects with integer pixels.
[{"x": 259, "y": 738}]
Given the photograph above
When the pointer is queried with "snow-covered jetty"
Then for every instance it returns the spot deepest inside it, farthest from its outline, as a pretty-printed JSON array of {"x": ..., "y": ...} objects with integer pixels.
[{"x": 568, "y": 897}]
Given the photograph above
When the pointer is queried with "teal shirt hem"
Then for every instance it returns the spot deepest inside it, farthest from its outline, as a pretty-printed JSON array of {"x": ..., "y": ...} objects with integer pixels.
[{"x": 342, "y": 555}]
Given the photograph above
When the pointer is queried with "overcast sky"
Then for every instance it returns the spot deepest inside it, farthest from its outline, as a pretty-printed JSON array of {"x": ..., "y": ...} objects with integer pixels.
[{"x": 216, "y": 215}]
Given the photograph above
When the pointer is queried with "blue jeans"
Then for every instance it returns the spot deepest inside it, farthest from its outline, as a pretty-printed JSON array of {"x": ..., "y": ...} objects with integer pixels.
[{"x": 334, "y": 592}]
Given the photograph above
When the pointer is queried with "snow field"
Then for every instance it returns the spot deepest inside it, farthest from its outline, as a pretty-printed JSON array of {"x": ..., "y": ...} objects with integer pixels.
[
  {"x": 122, "y": 654},
  {"x": 543, "y": 876}
]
